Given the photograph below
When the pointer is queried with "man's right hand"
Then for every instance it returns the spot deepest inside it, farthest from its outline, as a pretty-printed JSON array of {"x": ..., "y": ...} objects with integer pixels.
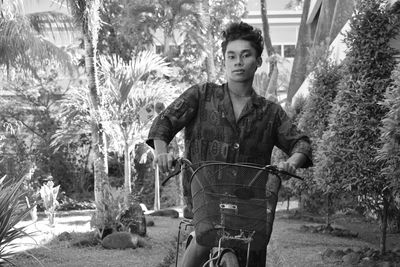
[{"x": 164, "y": 161}]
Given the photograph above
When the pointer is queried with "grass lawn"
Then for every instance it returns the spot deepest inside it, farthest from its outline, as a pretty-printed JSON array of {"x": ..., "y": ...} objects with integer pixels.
[
  {"x": 289, "y": 246},
  {"x": 49, "y": 250}
]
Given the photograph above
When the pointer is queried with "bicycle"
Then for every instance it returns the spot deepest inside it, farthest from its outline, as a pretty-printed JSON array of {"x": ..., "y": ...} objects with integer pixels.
[{"x": 233, "y": 208}]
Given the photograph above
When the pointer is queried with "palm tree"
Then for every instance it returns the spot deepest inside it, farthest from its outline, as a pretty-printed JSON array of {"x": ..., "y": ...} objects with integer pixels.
[
  {"x": 22, "y": 37},
  {"x": 267, "y": 37},
  {"x": 86, "y": 14},
  {"x": 179, "y": 16},
  {"x": 208, "y": 42},
  {"x": 131, "y": 92}
]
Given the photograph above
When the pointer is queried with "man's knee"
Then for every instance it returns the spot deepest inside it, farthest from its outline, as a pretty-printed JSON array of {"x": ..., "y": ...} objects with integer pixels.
[{"x": 195, "y": 254}]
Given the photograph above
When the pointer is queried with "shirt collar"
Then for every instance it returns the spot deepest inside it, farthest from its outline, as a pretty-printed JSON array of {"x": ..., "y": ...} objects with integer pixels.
[{"x": 256, "y": 99}]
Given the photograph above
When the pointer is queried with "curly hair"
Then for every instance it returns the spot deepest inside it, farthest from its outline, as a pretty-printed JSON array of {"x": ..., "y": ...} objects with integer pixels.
[{"x": 242, "y": 31}]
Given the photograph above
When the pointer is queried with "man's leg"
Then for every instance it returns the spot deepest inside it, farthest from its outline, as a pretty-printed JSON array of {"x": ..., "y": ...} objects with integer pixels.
[{"x": 195, "y": 255}]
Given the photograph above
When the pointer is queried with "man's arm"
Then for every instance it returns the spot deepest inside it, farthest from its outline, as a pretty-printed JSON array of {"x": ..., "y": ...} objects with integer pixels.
[
  {"x": 297, "y": 160},
  {"x": 162, "y": 157}
]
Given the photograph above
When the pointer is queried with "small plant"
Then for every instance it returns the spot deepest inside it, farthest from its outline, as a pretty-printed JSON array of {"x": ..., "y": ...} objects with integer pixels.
[
  {"x": 12, "y": 211},
  {"x": 49, "y": 195},
  {"x": 107, "y": 218}
]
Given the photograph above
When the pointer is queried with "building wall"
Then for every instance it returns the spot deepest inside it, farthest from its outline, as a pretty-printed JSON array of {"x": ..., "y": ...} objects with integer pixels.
[{"x": 59, "y": 38}]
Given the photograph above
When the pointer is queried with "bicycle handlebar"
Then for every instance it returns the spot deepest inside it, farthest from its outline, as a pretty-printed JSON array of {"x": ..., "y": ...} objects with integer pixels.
[{"x": 177, "y": 163}]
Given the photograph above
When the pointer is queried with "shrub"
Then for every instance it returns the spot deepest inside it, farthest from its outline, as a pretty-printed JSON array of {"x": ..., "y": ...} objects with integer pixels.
[
  {"x": 348, "y": 149},
  {"x": 109, "y": 210}
]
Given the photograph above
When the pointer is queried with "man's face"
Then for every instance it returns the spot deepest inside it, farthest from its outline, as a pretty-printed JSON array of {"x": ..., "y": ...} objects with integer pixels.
[{"x": 241, "y": 61}]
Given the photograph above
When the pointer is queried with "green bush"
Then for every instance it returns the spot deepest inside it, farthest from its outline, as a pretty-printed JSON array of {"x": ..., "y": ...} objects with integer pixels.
[
  {"x": 346, "y": 154},
  {"x": 348, "y": 149},
  {"x": 389, "y": 153}
]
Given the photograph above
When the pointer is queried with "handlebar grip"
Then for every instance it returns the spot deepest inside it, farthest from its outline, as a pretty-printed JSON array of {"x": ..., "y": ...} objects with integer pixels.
[
  {"x": 275, "y": 169},
  {"x": 177, "y": 169}
]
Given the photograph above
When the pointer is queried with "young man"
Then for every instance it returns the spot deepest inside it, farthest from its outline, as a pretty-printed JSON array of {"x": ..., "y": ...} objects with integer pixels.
[{"x": 229, "y": 122}]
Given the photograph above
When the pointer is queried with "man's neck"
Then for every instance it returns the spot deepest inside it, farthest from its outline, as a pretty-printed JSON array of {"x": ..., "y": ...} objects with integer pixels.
[{"x": 240, "y": 88}]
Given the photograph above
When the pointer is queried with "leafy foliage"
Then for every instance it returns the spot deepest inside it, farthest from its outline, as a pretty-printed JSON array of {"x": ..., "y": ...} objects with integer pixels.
[
  {"x": 22, "y": 43},
  {"x": 389, "y": 153},
  {"x": 32, "y": 103},
  {"x": 346, "y": 157},
  {"x": 49, "y": 193},
  {"x": 112, "y": 206},
  {"x": 12, "y": 211},
  {"x": 314, "y": 121},
  {"x": 114, "y": 214}
]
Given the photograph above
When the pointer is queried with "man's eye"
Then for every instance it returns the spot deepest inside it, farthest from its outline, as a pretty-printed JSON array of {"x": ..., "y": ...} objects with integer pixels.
[{"x": 231, "y": 57}]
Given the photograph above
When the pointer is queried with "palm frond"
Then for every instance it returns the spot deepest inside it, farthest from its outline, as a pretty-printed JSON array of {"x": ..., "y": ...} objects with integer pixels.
[
  {"x": 121, "y": 77},
  {"x": 76, "y": 112},
  {"x": 77, "y": 8},
  {"x": 21, "y": 45},
  {"x": 12, "y": 211}
]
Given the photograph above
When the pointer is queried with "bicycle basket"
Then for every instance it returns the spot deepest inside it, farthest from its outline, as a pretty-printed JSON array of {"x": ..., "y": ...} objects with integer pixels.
[{"x": 214, "y": 189}]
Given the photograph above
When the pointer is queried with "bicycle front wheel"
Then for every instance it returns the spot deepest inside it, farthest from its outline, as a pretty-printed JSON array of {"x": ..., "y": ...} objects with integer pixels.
[{"x": 229, "y": 259}]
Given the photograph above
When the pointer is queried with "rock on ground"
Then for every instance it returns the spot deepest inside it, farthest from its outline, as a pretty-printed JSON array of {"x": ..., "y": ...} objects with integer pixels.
[{"x": 120, "y": 240}]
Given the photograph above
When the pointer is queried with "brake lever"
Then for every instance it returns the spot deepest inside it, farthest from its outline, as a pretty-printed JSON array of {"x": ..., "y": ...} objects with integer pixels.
[
  {"x": 279, "y": 171},
  {"x": 177, "y": 169}
]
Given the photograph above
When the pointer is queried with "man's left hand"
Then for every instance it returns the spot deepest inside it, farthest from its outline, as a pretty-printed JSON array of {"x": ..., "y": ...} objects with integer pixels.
[{"x": 287, "y": 166}]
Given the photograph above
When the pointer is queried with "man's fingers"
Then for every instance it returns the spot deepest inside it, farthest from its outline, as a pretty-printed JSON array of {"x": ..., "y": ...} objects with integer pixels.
[
  {"x": 288, "y": 167},
  {"x": 164, "y": 162}
]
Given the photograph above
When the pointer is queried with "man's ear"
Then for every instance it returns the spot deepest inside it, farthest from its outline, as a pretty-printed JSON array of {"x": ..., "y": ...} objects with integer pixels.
[{"x": 259, "y": 62}]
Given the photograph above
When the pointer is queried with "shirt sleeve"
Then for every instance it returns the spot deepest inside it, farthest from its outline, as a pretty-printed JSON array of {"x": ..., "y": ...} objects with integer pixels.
[
  {"x": 175, "y": 117},
  {"x": 291, "y": 140}
]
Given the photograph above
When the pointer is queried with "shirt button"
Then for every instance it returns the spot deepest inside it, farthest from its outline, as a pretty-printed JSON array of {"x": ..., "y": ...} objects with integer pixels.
[{"x": 236, "y": 146}]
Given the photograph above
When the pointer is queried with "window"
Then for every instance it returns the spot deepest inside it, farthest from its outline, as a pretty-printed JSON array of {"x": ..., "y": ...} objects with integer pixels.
[
  {"x": 289, "y": 50},
  {"x": 278, "y": 49}
]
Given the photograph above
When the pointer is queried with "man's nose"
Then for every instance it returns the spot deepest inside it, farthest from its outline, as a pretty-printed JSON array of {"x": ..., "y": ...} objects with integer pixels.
[{"x": 239, "y": 61}]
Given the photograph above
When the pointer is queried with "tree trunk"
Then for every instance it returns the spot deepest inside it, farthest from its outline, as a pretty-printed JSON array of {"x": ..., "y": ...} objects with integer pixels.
[
  {"x": 384, "y": 223},
  {"x": 299, "y": 70},
  {"x": 328, "y": 209},
  {"x": 321, "y": 36},
  {"x": 167, "y": 45},
  {"x": 210, "y": 64},
  {"x": 98, "y": 135},
  {"x": 301, "y": 203},
  {"x": 86, "y": 167},
  {"x": 267, "y": 37},
  {"x": 127, "y": 172},
  {"x": 288, "y": 204},
  {"x": 157, "y": 188}
]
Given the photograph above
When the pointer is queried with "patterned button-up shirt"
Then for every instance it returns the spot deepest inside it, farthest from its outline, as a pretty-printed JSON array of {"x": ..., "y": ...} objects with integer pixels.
[{"x": 213, "y": 134}]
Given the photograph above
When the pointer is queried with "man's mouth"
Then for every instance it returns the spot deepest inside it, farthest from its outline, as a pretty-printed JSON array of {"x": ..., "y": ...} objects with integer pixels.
[{"x": 238, "y": 71}]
